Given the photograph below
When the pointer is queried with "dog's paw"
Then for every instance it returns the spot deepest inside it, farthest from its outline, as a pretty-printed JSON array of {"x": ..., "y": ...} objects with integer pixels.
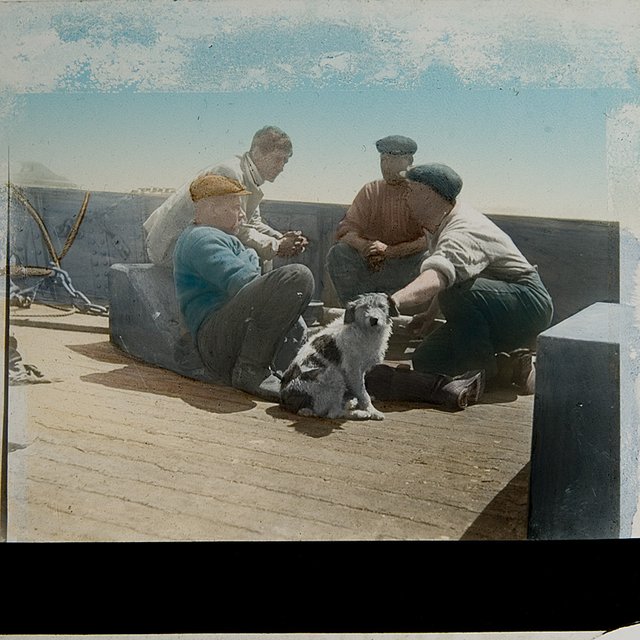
[
  {"x": 306, "y": 412},
  {"x": 366, "y": 414},
  {"x": 374, "y": 414}
]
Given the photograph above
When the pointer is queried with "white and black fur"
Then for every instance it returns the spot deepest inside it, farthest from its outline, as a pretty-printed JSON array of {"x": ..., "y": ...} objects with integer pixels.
[{"x": 326, "y": 378}]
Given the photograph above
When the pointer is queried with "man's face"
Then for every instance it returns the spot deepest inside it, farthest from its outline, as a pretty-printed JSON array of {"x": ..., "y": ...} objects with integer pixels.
[
  {"x": 425, "y": 205},
  {"x": 224, "y": 212},
  {"x": 391, "y": 165},
  {"x": 270, "y": 165}
]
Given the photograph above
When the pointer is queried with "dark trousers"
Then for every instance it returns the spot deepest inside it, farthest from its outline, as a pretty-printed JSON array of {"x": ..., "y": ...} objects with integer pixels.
[
  {"x": 251, "y": 328},
  {"x": 351, "y": 276},
  {"x": 405, "y": 385},
  {"x": 484, "y": 317}
]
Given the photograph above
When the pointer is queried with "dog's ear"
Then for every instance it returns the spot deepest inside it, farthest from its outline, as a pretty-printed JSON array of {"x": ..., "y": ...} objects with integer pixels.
[
  {"x": 350, "y": 313},
  {"x": 393, "y": 309}
]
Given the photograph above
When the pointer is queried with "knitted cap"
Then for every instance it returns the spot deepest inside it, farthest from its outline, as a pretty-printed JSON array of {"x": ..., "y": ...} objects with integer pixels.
[
  {"x": 439, "y": 177},
  {"x": 214, "y": 185},
  {"x": 397, "y": 145}
]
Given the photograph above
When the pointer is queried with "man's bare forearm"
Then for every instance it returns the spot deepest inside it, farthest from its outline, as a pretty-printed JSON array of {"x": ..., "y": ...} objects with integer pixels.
[{"x": 421, "y": 290}]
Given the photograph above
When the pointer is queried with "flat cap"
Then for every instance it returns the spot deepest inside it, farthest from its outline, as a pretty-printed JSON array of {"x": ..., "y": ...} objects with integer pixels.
[
  {"x": 439, "y": 177},
  {"x": 397, "y": 145},
  {"x": 214, "y": 185}
]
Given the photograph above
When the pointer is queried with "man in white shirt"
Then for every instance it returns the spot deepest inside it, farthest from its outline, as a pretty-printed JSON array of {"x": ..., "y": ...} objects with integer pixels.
[
  {"x": 491, "y": 297},
  {"x": 270, "y": 151}
]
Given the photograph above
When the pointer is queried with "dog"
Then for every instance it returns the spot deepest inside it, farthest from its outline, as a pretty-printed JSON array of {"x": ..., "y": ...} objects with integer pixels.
[{"x": 326, "y": 378}]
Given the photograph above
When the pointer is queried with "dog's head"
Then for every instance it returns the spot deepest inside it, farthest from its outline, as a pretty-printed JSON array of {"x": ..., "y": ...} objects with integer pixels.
[{"x": 370, "y": 310}]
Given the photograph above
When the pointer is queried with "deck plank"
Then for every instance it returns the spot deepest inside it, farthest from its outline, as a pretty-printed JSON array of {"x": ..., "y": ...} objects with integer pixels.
[{"x": 115, "y": 449}]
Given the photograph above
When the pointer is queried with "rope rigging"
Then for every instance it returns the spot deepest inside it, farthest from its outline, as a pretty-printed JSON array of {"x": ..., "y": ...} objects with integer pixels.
[{"x": 23, "y": 297}]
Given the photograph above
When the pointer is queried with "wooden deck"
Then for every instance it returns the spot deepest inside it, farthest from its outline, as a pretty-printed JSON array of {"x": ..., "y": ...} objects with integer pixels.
[{"x": 115, "y": 450}]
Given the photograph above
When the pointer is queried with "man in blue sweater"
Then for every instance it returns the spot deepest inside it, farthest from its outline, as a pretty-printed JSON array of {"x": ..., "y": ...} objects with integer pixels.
[{"x": 238, "y": 318}]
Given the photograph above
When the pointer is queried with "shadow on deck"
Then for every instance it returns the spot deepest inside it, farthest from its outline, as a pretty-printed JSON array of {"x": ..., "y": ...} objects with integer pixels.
[{"x": 115, "y": 449}]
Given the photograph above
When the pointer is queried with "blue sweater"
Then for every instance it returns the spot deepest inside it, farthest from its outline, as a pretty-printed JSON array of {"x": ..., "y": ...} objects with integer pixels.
[{"x": 209, "y": 268}]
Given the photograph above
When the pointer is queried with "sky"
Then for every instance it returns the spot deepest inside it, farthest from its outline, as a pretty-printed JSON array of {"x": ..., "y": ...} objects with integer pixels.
[{"x": 535, "y": 104}]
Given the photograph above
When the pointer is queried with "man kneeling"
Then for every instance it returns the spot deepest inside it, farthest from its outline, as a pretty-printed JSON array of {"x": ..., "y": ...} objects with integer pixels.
[{"x": 238, "y": 318}]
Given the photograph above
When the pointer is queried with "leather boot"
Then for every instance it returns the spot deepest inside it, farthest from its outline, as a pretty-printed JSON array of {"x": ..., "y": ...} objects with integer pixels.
[
  {"x": 476, "y": 390},
  {"x": 524, "y": 371},
  {"x": 464, "y": 390}
]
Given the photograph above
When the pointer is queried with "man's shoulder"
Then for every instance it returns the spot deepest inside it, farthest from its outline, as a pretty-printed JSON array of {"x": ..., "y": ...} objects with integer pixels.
[
  {"x": 470, "y": 215},
  {"x": 375, "y": 185},
  {"x": 466, "y": 219},
  {"x": 370, "y": 189},
  {"x": 203, "y": 231},
  {"x": 199, "y": 238},
  {"x": 231, "y": 167},
  {"x": 177, "y": 202},
  {"x": 382, "y": 188}
]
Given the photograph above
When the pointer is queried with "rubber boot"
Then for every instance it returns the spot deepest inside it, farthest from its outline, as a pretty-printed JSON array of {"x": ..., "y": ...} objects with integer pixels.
[
  {"x": 256, "y": 380},
  {"x": 252, "y": 372}
]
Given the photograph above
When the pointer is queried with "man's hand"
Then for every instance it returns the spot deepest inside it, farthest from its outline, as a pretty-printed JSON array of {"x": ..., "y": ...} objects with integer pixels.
[
  {"x": 374, "y": 252},
  {"x": 375, "y": 262},
  {"x": 374, "y": 248},
  {"x": 291, "y": 244}
]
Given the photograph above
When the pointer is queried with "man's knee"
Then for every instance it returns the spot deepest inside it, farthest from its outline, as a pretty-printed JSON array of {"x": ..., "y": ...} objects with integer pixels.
[
  {"x": 346, "y": 269},
  {"x": 341, "y": 253},
  {"x": 300, "y": 273},
  {"x": 436, "y": 353},
  {"x": 421, "y": 360},
  {"x": 296, "y": 277}
]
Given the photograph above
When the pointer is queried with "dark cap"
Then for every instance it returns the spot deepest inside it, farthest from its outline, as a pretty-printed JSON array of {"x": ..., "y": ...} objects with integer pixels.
[
  {"x": 439, "y": 177},
  {"x": 397, "y": 146}
]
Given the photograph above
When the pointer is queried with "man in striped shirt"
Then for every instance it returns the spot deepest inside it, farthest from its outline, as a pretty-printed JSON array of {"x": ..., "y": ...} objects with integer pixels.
[{"x": 380, "y": 246}]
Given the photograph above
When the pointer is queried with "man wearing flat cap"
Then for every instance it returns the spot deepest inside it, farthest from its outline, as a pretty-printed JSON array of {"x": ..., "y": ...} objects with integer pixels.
[
  {"x": 379, "y": 245},
  {"x": 491, "y": 297},
  {"x": 268, "y": 154},
  {"x": 238, "y": 318}
]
